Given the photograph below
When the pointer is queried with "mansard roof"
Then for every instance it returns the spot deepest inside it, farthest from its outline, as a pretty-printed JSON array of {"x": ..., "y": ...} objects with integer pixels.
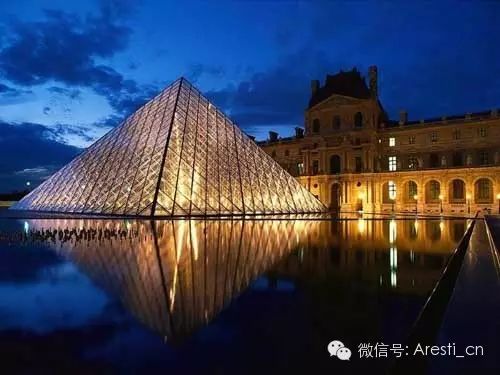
[{"x": 350, "y": 84}]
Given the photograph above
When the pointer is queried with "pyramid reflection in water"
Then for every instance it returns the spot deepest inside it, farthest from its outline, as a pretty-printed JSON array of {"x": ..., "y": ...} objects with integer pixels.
[
  {"x": 177, "y": 155},
  {"x": 176, "y": 276}
]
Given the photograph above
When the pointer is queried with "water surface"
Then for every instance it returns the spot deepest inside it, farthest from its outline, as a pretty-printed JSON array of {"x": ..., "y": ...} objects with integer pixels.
[{"x": 223, "y": 296}]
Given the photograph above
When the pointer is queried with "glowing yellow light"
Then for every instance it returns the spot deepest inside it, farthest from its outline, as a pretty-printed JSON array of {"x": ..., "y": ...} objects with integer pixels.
[
  {"x": 440, "y": 197},
  {"x": 415, "y": 197},
  {"x": 498, "y": 196},
  {"x": 361, "y": 225},
  {"x": 361, "y": 196},
  {"x": 468, "y": 196},
  {"x": 392, "y": 231}
]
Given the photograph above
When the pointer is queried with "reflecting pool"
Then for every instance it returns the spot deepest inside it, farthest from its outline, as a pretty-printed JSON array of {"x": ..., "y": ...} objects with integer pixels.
[{"x": 212, "y": 296}]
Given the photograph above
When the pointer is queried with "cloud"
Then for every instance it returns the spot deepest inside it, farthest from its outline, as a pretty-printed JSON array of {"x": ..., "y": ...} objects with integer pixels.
[
  {"x": 32, "y": 171},
  {"x": 196, "y": 71},
  {"x": 30, "y": 148},
  {"x": 66, "y": 48},
  {"x": 276, "y": 96},
  {"x": 11, "y": 92},
  {"x": 70, "y": 93}
]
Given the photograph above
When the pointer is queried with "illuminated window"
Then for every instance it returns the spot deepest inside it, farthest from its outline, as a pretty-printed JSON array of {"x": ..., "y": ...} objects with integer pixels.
[
  {"x": 434, "y": 137},
  {"x": 300, "y": 168},
  {"x": 482, "y": 132},
  {"x": 392, "y": 190},
  {"x": 392, "y": 142},
  {"x": 412, "y": 162},
  {"x": 392, "y": 163},
  {"x": 411, "y": 139},
  {"x": 412, "y": 190},
  {"x": 434, "y": 190}
]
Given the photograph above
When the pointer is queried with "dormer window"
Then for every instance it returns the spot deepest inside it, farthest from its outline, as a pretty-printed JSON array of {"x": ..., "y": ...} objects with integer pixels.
[
  {"x": 315, "y": 126},
  {"x": 358, "y": 120}
]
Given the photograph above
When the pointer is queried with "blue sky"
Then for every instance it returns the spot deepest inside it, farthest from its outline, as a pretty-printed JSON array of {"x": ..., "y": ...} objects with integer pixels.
[{"x": 69, "y": 71}]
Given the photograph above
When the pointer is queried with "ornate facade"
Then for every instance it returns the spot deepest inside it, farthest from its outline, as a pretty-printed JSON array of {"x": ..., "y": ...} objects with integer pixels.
[{"x": 353, "y": 157}]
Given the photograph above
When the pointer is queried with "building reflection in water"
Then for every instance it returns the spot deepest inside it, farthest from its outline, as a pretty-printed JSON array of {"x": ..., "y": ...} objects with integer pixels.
[{"x": 176, "y": 276}]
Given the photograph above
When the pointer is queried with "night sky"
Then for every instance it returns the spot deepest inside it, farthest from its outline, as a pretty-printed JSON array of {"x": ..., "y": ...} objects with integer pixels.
[{"x": 70, "y": 70}]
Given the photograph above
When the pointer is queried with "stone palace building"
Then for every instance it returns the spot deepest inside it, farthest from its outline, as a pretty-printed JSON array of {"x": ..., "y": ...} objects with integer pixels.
[{"x": 353, "y": 157}]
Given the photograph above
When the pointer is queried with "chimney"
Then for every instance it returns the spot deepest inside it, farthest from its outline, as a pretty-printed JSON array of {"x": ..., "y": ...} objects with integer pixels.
[
  {"x": 403, "y": 117},
  {"x": 273, "y": 136},
  {"x": 314, "y": 86},
  {"x": 299, "y": 132},
  {"x": 372, "y": 76}
]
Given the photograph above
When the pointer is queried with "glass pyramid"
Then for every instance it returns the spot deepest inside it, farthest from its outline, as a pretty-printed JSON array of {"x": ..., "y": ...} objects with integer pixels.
[{"x": 178, "y": 155}]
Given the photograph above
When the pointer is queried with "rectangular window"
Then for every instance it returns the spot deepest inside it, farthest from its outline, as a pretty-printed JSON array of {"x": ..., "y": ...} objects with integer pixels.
[
  {"x": 315, "y": 167},
  {"x": 392, "y": 190},
  {"x": 300, "y": 168},
  {"x": 483, "y": 158},
  {"x": 411, "y": 139},
  {"x": 457, "y": 134},
  {"x": 482, "y": 132},
  {"x": 392, "y": 163},
  {"x": 392, "y": 142},
  {"x": 412, "y": 162},
  {"x": 358, "y": 164},
  {"x": 434, "y": 137}
]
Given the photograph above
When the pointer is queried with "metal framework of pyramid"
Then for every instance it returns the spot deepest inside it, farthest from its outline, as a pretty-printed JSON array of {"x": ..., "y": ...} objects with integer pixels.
[{"x": 178, "y": 155}]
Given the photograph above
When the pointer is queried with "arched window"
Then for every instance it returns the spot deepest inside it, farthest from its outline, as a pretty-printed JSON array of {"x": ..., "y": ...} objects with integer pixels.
[
  {"x": 389, "y": 192},
  {"x": 336, "y": 122},
  {"x": 315, "y": 127},
  {"x": 483, "y": 191},
  {"x": 411, "y": 191},
  {"x": 457, "y": 191},
  {"x": 432, "y": 192},
  {"x": 358, "y": 120},
  {"x": 335, "y": 164}
]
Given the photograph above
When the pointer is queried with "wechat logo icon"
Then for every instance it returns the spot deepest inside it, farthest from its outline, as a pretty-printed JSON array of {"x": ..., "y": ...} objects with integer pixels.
[{"x": 336, "y": 348}]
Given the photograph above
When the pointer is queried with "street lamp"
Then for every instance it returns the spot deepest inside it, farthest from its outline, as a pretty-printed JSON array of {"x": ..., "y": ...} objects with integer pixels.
[
  {"x": 441, "y": 202},
  {"x": 416, "y": 203},
  {"x": 468, "y": 196},
  {"x": 498, "y": 198}
]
